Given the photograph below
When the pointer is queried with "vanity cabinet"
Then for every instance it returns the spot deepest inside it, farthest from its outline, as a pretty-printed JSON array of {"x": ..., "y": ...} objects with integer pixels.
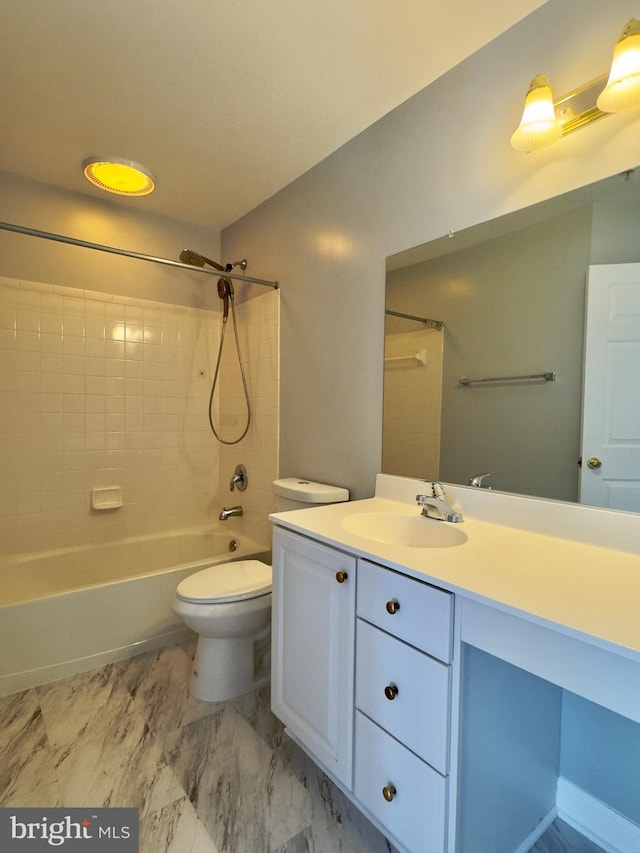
[
  {"x": 313, "y": 628},
  {"x": 362, "y": 680}
]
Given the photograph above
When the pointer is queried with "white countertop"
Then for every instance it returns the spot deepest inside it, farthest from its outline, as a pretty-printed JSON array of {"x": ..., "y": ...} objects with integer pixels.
[{"x": 547, "y": 573}]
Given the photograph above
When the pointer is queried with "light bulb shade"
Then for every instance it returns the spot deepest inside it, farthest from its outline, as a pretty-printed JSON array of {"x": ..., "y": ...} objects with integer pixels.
[
  {"x": 539, "y": 125},
  {"x": 123, "y": 177},
  {"x": 622, "y": 91}
]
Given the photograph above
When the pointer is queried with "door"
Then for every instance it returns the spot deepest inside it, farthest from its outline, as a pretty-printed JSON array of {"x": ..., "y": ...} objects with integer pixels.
[{"x": 610, "y": 473}]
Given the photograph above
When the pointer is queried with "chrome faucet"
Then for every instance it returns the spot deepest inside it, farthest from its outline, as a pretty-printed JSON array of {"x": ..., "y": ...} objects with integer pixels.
[
  {"x": 477, "y": 480},
  {"x": 239, "y": 480},
  {"x": 232, "y": 511},
  {"x": 435, "y": 505}
]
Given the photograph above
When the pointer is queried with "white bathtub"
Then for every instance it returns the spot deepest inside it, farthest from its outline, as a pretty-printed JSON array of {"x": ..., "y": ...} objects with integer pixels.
[{"x": 63, "y": 612}]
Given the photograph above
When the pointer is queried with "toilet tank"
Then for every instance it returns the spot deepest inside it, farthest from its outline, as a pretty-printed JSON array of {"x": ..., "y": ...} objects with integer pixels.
[{"x": 298, "y": 493}]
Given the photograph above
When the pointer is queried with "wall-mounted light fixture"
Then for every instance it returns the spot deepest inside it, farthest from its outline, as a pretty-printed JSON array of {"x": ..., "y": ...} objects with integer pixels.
[
  {"x": 123, "y": 177},
  {"x": 545, "y": 119}
]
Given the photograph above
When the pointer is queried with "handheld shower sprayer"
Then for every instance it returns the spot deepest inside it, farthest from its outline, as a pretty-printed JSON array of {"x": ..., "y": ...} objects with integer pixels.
[{"x": 225, "y": 292}]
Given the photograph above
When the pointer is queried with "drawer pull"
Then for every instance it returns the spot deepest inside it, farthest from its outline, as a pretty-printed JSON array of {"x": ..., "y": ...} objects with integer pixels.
[
  {"x": 341, "y": 577},
  {"x": 391, "y": 691},
  {"x": 389, "y": 792},
  {"x": 393, "y": 606}
]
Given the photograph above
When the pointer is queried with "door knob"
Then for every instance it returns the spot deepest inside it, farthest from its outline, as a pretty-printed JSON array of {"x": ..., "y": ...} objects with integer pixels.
[
  {"x": 341, "y": 577},
  {"x": 594, "y": 462}
]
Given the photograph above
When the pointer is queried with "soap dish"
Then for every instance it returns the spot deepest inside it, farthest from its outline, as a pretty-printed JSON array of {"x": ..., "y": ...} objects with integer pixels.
[{"x": 109, "y": 497}]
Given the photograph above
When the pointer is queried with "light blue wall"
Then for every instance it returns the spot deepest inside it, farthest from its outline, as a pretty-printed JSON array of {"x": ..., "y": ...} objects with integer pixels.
[
  {"x": 510, "y": 753},
  {"x": 601, "y": 754}
]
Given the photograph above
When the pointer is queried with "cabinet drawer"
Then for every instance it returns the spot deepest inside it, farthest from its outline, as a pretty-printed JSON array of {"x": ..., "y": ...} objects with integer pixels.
[
  {"x": 421, "y": 614},
  {"x": 418, "y": 714},
  {"x": 416, "y": 813}
]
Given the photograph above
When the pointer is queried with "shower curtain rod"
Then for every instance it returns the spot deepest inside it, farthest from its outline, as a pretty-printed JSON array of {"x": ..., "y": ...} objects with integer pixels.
[
  {"x": 74, "y": 241},
  {"x": 435, "y": 324}
]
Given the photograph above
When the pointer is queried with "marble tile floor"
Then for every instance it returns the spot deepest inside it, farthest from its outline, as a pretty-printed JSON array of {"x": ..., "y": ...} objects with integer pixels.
[{"x": 206, "y": 777}]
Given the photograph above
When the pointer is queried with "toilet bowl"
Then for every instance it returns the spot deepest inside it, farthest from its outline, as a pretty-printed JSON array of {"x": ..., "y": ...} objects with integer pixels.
[{"x": 229, "y": 607}]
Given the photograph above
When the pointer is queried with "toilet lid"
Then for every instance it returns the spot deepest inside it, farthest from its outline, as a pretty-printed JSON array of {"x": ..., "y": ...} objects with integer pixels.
[{"x": 227, "y": 582}]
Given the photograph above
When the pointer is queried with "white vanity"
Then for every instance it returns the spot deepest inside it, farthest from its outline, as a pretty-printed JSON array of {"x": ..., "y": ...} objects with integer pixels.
[{"x": 422, "y": 664}]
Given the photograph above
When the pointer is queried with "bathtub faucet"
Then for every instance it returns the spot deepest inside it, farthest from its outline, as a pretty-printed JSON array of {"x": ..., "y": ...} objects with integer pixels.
[{"x": 228, "y": 513}]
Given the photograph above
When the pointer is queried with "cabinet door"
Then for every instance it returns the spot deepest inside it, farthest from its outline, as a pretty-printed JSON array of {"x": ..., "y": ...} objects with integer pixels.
[{"x": 313, "y": 628}]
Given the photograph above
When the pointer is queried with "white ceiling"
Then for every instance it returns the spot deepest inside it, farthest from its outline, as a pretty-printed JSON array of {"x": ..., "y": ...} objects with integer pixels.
[{"x": 226, "y": 101}]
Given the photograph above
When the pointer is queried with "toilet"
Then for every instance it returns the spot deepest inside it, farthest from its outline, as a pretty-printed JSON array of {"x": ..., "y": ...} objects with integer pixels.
[{"x": 229, "y": 606}]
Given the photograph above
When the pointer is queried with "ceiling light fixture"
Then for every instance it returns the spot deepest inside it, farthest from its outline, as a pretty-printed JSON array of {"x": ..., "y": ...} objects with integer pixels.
[
  {"x": 545, "y": 119},
  {"x": 114, "y": 175}
]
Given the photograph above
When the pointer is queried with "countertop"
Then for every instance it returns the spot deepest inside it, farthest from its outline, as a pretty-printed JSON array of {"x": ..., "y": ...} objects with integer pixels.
[{"x": 590, "y": 591}]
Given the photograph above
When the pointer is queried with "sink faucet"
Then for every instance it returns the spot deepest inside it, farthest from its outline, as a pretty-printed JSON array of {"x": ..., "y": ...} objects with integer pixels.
[
  {"x": 228, "y": 513},
  {"x": 435, "y": 505},
  {"x": 477, "y": 481}
]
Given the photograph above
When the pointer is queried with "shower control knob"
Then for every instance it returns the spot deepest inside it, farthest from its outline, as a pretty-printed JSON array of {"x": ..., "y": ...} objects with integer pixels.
[{"x": 341, "y": 577}]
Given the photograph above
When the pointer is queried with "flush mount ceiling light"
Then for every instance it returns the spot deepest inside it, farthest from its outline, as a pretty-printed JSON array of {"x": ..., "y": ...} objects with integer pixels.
[
  {"x": 123, "y": 177},
  {"x": 545, "y": 119}
]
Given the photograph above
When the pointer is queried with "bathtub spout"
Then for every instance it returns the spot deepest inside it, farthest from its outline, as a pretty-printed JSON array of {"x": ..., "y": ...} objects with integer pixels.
[{"x": 228, "y": 513}]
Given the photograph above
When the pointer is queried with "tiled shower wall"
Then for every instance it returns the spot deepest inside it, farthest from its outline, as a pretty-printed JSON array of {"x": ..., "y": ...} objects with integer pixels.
[
  {"x": 258, "y": 334},
  {"x": 99, "y": 391},
  {"x": 412, "y": 404}
]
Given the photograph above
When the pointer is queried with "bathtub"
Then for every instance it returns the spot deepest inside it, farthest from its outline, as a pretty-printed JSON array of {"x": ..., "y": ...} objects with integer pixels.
[{"x": 63, "y": 612}]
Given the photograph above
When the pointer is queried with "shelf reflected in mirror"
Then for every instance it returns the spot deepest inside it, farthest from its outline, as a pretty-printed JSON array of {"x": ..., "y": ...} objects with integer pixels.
[{"x": 511, "y": 295}]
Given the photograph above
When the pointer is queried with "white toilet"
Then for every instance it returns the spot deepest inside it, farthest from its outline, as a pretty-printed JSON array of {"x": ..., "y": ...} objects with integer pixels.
[{"x": 229, "y": 607}]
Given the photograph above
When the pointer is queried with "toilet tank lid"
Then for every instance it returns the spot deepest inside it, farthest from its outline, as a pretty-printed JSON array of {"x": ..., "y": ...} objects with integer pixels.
[
  {"x": 306, "y": 491},
  {"x": 227, "y": 582}
]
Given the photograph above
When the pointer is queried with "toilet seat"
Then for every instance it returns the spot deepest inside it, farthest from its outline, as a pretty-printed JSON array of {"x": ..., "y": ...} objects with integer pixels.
[{"x": 226, "y": 582}]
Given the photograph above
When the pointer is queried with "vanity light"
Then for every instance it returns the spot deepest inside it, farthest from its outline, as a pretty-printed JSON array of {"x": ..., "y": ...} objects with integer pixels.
[
  {"x": 622, "y": 91},
  {"x": 123, "y": 177},
  {"x": 539, "y": 125},
  {"x": 545, "y": 119}
]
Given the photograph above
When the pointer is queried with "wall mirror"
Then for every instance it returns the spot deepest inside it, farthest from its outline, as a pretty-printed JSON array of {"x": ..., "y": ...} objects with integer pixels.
[{"x": 508, "y": 300}]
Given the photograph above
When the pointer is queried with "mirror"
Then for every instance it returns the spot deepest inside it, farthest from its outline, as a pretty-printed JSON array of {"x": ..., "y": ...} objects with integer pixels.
[{"x": 510, "y": 294}]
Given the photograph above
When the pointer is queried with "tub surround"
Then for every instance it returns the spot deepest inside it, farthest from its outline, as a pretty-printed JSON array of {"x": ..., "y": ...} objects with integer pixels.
[
  {"x": 99, "y": 390},
  {"x": 542, "y": 598}
]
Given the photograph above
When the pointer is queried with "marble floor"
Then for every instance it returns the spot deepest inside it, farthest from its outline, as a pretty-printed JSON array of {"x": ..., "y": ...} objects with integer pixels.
[{"x": 206, "y": 777}]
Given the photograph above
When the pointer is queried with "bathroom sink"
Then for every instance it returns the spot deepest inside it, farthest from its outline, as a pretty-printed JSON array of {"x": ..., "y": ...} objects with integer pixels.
[{"x": 409, "y": 531}]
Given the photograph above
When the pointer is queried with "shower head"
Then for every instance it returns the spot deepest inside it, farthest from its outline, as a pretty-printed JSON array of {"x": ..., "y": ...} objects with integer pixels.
[{"x": 196, "y": 260}]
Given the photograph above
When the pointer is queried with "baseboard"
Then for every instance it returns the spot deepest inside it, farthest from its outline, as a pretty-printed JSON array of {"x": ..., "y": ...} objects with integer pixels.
[{"x": 596, "y": 820}]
